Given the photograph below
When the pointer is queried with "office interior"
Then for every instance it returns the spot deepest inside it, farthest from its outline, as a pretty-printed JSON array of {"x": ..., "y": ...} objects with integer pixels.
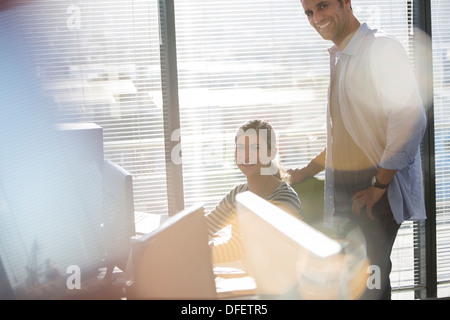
[{"x": 118, "y": 129}]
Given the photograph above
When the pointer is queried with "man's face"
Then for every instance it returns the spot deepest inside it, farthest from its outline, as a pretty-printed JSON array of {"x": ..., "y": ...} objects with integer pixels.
[{"x": 329, "y": 17}]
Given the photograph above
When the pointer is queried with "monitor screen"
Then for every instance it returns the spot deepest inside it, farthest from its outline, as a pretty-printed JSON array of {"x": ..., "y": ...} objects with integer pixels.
[{"x": 174, "y": 261}]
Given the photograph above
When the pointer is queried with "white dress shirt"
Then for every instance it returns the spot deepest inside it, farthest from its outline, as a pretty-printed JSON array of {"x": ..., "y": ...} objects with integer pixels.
[{"x": 382, "y": 111}]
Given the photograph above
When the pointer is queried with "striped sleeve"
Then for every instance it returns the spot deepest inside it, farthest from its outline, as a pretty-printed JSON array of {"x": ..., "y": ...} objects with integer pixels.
[{"x": 224, "y": 213}]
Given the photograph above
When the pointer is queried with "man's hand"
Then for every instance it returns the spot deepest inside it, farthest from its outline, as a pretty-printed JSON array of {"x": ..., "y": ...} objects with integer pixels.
[
  {"x": 297, "y": 175},
  {"x": 367, "y": 197},
  {"x": 316, "y": 165}
]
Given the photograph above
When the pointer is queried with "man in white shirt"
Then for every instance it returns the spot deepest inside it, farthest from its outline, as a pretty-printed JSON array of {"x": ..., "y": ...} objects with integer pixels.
[{"x": 375, "y": 123}]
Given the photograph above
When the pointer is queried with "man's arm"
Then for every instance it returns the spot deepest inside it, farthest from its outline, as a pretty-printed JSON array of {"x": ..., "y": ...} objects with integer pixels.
[{"x": 316, "y": 165}]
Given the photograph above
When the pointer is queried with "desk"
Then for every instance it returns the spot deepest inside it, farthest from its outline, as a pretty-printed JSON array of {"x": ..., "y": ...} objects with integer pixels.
[
  {"x": 111, "y": 287},
  {"x": 233, "y": 282}
]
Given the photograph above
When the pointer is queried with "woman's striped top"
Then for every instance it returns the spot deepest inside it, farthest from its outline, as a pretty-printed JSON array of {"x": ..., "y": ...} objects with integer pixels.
[{"x": 224, "y": 213}]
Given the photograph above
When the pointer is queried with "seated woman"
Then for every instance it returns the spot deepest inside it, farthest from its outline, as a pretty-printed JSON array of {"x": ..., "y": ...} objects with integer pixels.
[{"x": 254, "y": 155}]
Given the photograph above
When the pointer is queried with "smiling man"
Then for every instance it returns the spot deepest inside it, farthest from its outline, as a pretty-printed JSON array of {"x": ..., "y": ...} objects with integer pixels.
[{"x": 375, "y": 123}]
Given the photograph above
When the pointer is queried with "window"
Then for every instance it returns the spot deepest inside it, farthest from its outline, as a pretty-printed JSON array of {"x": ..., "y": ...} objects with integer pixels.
[
  {"x": 237, "y": 61},
  {"x": 100, "y": 62},
  {"x": 441, "y": 85}
]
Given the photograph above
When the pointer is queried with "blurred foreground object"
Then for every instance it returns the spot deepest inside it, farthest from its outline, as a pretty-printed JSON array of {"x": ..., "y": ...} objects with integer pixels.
[
  {"x": 290, "y": 259},
  {"x": 9, "y": 4}
]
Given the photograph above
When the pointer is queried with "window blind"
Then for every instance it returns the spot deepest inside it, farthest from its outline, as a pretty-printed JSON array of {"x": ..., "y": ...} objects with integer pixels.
[
  {"x": 242, "y": 60},
  {"x": 261, "y": 59},
  {"x": 99, "y": 62},
  {"x": 441, "y": 77}
]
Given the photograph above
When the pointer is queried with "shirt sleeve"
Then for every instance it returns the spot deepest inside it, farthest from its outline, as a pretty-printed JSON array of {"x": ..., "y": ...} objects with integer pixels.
[
  {"x": 396, "y": 84},
  {"x": 224, "y": 213}
]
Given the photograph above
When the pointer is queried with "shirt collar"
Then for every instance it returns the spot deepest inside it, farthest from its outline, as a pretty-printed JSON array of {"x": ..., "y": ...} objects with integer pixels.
[{"x": 355, "y": 43}]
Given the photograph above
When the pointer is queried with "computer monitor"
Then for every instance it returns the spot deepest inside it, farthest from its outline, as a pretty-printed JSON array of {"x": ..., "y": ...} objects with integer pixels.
[
  {"x": 174, "y": 261},
  {"x": 58, "y": 218},
  {"x": 290, "y": 259},
  {"x": 50, "y": 223},
  {"x": 118, "y": 213}
]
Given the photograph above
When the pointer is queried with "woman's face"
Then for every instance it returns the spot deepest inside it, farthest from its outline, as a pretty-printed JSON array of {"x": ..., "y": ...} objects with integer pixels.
[{"x": 251, "y": 154}]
